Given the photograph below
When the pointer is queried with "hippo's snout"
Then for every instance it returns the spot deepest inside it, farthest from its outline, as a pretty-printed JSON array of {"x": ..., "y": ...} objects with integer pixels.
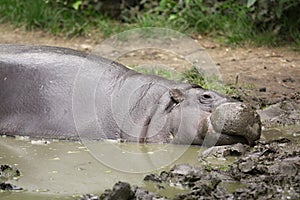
[{"x": 237, "y": 121}]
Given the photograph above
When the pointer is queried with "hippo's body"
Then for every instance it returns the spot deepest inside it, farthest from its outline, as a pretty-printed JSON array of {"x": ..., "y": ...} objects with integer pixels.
[{"x": 52, "y": 92}]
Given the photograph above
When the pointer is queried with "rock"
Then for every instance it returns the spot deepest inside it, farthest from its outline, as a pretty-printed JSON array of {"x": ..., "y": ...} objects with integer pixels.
[
  {"x": 123, "y": 191},
  {"x": 8, "y": 172},
  {"x": 90, "y": 197},
  {"x": 247, "y": 166},
  {"x": 9, "y": 187},
  {"x": 146, "y": 195},
  {"x": 120, "y": 191},
  {"x": 185, "y": 169},
  {"x": 153, "y": 178},
  {"x": 287, "y": 167},
  {"x": 224, "y": 151}
]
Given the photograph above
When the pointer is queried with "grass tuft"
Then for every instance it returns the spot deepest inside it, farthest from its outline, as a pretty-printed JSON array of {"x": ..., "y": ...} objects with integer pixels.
[{"x": 192, "y": 76}]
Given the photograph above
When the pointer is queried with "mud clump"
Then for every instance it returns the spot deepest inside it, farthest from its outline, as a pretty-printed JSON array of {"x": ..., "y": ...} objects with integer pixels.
[
  {"x": 123, "y": 191},
  {"x": 224, "y": 151},
  {"x": 201, "y": 181},
  {"x": 7, "y": 172},
  {"x": 8, "y": 186},
  {"x": 270, "y": 171}
]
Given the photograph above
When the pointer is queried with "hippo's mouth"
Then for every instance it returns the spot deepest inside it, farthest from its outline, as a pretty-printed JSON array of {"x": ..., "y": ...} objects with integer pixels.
[
  {"x": 233, "y": 123},
  {"x": 225, "y": 139}
]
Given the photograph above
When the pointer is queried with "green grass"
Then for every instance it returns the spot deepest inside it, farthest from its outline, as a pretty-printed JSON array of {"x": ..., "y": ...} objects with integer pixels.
[
  {"x": 192, "y": 76},
  {"x": 271, "y": 23},
  {"x": 196, "y": 17},
  {"x": 56, "y": 18},
  {"x": 165, "y": 73},
  {"x": 231, "y": 22}
]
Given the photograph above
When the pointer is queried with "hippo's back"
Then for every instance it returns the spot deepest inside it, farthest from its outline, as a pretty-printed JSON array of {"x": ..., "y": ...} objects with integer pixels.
[{"x": 36, "y": 89}]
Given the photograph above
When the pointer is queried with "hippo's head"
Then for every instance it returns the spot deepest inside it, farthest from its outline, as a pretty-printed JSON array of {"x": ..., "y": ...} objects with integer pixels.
[{"x": 198, "y": 116}]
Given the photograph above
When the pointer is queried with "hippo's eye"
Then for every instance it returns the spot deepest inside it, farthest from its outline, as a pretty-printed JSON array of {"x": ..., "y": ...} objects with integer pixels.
[{"x": 206, "y": 98}]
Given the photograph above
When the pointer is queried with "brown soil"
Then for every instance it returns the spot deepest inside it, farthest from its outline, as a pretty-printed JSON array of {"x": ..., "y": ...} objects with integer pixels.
[{"x": 272, "y": 74}]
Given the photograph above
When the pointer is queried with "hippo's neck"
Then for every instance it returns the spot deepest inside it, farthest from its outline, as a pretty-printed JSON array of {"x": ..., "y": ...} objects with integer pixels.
[{"x": 141, "y": 97}]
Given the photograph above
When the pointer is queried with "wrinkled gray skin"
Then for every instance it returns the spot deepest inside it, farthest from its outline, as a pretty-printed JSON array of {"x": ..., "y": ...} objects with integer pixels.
[{"x": 52, "y": 92}]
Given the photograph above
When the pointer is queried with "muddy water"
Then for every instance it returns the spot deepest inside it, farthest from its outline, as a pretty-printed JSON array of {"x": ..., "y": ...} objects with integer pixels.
[
  {"x": 61, "y": 169},
  {"x": 64, "y": 170}
]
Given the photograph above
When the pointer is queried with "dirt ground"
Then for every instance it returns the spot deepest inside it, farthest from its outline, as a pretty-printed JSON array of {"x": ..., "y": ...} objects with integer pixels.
[{"x": 272, "y": 74}]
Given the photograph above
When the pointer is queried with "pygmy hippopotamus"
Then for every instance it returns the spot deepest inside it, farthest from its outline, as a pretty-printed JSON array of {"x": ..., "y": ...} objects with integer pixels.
[{"x": 52, "y": 92}]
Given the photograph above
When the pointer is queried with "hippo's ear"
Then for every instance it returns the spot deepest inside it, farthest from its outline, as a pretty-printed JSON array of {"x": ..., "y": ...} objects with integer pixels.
[{"x": 176, "y": 95}]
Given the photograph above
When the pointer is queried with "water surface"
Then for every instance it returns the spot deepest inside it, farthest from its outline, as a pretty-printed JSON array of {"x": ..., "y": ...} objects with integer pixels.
[{"x": 62, "y": 168}]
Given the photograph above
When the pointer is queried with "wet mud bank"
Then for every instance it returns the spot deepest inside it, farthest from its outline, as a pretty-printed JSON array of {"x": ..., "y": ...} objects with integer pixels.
[{"x": 270, "y": 170}]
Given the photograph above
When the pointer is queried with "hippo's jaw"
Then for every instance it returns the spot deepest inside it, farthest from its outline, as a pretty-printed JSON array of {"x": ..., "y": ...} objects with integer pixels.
[{"x": 233, "y": 122}]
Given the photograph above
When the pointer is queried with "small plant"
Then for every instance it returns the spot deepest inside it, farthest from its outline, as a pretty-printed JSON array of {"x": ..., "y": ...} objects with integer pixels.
[
  {"x": 165, "y": 73},
  {"x": 192, "y": 76}
]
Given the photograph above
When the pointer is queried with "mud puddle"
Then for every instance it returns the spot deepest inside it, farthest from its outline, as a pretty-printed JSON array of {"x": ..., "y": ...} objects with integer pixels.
[
  {"x": 62, "y": 169},
  {"x": 66, "y": 170}
]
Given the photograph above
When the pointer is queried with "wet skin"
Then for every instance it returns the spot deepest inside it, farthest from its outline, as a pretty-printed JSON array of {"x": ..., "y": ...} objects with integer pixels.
[{"x": 59, "y": 93}]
